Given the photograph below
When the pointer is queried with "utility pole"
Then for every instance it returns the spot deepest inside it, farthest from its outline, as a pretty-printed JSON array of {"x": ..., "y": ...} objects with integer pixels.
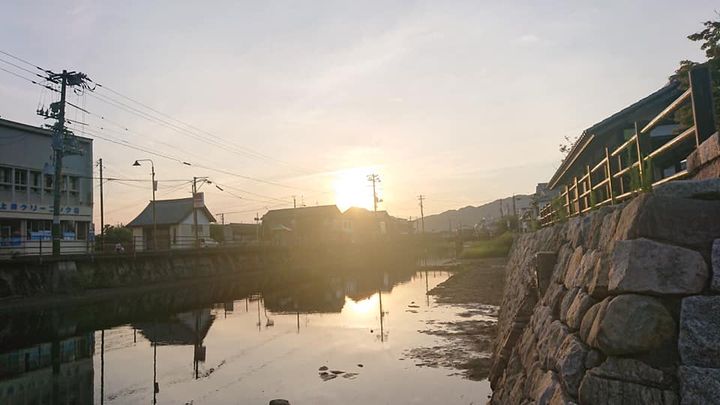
[
  {"x": 257, "y": 226},
  {"x": 195, "y": 224},
  {"x": 222, "y": 218},
  {"x": 374, "y": 178},
  {"x": 57, "y": 112},
  {"x": 102, "y": 205},
  {"x": 421, "y": 198},
  {"x": 294, "y": 202}
]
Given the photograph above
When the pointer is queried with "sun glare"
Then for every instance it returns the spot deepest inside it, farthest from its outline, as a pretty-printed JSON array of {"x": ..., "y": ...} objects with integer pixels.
[
  {"x": 362, "y": 306},
  {"x": 352, "y": 188}
]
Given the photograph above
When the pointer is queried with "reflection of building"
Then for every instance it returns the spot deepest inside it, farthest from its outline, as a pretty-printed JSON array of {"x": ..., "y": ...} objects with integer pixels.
[
  {"x": 26, "y": 190},
  {"x": 186, "y": 328},
  {"x": 57, "y": 373},
  {"x": 320, "y": 297},
  {"x": 174, "y": 220}
]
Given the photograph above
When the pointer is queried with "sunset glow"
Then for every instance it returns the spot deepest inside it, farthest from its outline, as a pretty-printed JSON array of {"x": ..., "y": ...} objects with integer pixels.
[{"x": 352, "y": 188}]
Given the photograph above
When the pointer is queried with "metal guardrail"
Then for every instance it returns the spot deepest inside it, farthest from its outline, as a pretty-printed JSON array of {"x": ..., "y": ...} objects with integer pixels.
[
  {"x": 611, "y": 179},
  {"x": 10, "y": 248}
]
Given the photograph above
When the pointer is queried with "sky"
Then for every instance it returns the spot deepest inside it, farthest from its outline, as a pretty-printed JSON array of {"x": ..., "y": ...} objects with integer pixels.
[{"x": 461, "y": 101}]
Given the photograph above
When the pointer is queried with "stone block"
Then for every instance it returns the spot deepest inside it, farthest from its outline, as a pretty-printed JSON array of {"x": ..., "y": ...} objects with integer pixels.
[
  {"x": 699, "y": 335},
  {"x": 715, "y": 282},
  {"x": 589, "y": 319},
  {"x": 648, "y": 267},
  {"x": 544, "y": 266},
  {"x": 631, "y": 370},
  {"x": 699, "y": 385},
  {"x": 595, "y": 227},
  {"x": 548, "y": 344},
  {"x": 632, "y": 324},
  {"x": 699, "y": 189},
  {"x": 553, "y": 298},
  {"x": 573, "y": 267},
  {"x": 560, "y": 397},
  {"x": 707, "y": 152},
  {"x": 601, "y": 391},
  {"x": 598, "y": 287},
  {"x": 681, "y": 221},
  {"x": 544, "y": 389},
  {"x": 541, "y": 318},
  {"x": 561, "y": 265},
  {"x": 577, "y": 310},
  {"x": 571, "y": 363},
  {"x": 607, "y": 232},
  {"x": 566, "y": 302},
  {"x": 593, "y": 359}
]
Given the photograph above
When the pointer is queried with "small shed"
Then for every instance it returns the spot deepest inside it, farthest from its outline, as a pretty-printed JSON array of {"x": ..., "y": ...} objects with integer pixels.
[{"x": 174, "y": 223}]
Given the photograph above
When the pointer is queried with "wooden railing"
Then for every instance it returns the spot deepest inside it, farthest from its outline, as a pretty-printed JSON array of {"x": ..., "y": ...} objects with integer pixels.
[{"x": 627, "y": 170}]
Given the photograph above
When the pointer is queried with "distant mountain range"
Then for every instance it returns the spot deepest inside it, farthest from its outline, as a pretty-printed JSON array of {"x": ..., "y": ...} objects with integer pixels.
[{"x": 469, "y": 216}]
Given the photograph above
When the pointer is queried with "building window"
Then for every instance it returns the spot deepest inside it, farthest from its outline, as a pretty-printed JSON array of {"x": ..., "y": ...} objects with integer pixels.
[
  {"x": 48, "y": 183},
  {"x": 20, "y": 179},
  {"x": 68, "y": 230},
  {"x": 74, "y": 182},
  {"x": 39, "y": 229},
  {"x": 5, "y": 178},
  {"x": 35, "y": 181}
]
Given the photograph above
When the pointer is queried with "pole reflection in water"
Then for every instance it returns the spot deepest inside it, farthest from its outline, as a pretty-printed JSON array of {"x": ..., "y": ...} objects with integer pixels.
[
  {"x": 382, "y": 316},
  {"x": 102, "y": 366},
  {"x": 427, "y": 290},
  {"x": 156, "y": 386}
]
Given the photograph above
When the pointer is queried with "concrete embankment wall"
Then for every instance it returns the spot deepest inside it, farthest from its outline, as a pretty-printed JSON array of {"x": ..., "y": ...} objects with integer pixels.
[
  {"x": 619, "y": 306},
  {"x": 25, "y": 278}
]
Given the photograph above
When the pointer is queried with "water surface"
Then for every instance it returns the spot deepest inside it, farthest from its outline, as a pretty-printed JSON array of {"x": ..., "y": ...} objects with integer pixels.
[{"x": 250, "y": 342}]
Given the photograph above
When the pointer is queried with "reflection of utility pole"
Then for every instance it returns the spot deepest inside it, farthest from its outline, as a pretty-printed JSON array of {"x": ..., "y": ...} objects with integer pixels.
[
  {"x": 374, "y": 178},
  {"x": 156, "y": 386},
  {"x": 259, "y": 324},
  {"x": 102, "y": 363},
  {"x": 421, "y": 198},
  {"x": 427, "y": 290},
  {"x": 382, "y": 316},
  {"x": 298, "y": 321}
]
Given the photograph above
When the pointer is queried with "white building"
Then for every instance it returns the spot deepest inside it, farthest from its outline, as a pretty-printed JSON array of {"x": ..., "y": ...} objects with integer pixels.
[
  {"x": 174, "y": 221},
  {"x": 26, "y": 192}
]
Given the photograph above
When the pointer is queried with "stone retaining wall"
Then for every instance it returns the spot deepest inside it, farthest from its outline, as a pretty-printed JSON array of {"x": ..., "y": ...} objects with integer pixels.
[{"x": 619, "y": 306}]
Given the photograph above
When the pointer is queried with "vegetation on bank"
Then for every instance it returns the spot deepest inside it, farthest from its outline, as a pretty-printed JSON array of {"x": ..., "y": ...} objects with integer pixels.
[{"x": 498, "y": 246}]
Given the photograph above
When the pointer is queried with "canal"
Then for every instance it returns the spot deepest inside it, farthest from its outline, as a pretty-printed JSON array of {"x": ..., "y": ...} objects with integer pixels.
[{"x": 345, "y": 338}]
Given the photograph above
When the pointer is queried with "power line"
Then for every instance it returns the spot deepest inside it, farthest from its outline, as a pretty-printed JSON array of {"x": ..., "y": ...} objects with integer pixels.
[
  {"x": 142, "y": 114},
  {"x": 244, "y": 149}
]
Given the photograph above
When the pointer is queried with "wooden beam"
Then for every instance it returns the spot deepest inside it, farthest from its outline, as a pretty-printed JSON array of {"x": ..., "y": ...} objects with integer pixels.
[{"x": 702, "y": 103}]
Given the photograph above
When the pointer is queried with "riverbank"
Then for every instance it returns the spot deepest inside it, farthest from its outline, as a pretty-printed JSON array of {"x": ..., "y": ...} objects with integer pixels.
[{"x": 466, "y": 345}]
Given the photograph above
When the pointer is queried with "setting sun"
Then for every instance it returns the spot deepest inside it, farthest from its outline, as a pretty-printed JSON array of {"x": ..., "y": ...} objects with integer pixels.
[{"x": 352, "y": 188}]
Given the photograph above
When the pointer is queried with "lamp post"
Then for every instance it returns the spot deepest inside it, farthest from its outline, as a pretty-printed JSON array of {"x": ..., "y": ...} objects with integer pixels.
[{"x": 152, "y": 167}]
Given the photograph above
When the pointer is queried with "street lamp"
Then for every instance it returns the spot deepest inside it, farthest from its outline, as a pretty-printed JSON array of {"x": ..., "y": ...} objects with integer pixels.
[{"x": 152, "y": 167}]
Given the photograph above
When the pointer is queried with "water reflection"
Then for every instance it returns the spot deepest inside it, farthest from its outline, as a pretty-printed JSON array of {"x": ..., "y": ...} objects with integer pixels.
[{"x": 197, "y": 331}]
